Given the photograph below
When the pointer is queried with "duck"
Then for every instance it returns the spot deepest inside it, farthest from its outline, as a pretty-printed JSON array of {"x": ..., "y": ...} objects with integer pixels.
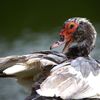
[
  {"x": 78, "y": 77},
  {"x": 70, "y": 74}
]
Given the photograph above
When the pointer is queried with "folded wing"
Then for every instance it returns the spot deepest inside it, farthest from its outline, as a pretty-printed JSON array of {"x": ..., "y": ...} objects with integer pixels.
[{"x": 68, "y": 80}]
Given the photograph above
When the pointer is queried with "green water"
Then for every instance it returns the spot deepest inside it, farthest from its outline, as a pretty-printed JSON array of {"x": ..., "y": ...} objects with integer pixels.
[{"x": 42, "y": 15}]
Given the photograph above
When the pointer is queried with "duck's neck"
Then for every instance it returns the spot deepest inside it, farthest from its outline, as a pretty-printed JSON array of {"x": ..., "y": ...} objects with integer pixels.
[
  {"x": 83, "y": 47},
  {"x": 79, "y": 51}
]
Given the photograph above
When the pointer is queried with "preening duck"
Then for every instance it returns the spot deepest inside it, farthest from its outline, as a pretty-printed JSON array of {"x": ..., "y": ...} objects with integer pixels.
[
  {"x": 78, "y": 77},
  {"x": 72, "y": 74},
  {"x": 80, "y": 31}
]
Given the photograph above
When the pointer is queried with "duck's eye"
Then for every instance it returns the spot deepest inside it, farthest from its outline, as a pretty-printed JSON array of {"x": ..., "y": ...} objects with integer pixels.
[{"x": 71, "y": 26}]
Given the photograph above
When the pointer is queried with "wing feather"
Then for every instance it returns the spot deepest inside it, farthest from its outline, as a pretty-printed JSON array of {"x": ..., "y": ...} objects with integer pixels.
[{"x": 68, "y": 82}]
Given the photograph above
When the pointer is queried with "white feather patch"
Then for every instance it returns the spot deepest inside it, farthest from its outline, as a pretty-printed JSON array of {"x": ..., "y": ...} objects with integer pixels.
[
  {"x": 66, "y": 81},
  {"x": 14, "y": 69}
]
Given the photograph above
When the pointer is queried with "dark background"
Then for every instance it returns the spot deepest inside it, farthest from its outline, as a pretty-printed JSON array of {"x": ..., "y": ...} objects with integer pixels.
[
  {"x": 42, "y": 15},
  {"x": 31, "y": 25}
]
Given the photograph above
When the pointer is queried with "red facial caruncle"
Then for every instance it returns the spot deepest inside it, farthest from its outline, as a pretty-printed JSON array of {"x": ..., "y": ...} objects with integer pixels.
[
  {"x": 66, "y": 35},
  {"x": 68, "y": 29}
]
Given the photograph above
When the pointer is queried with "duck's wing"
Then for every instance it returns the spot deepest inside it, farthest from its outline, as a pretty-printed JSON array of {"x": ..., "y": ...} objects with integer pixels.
[
  {"x": 29, "y": 68},
  {"x": 12, "y": 65},
  {"x": 77, "y": 79}
]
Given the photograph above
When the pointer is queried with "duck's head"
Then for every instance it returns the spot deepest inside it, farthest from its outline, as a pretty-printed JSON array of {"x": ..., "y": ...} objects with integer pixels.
[{"x": 77, "y": 30}]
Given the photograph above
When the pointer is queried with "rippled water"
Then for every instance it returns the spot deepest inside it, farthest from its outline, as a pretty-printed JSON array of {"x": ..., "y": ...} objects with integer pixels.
[{"x": 9, "y": 89}]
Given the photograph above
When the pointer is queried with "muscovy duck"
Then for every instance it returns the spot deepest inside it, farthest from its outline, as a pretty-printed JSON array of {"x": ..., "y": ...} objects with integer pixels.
[
  {"x": 79, "y": 76},
  {"x": 67, "y": 75}
]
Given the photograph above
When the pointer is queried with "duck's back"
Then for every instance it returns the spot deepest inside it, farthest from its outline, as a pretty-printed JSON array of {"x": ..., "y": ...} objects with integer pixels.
[{"x": 73, "y": 80}]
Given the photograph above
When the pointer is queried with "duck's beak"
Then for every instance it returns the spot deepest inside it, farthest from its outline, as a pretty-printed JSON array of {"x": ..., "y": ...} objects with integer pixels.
[
  {"x": 62, "y": 40},
  {"x": 58, "y": 43}
]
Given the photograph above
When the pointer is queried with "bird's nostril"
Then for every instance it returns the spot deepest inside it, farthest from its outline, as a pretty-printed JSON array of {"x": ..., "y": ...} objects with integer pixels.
[{"x": 61, "y": 37}]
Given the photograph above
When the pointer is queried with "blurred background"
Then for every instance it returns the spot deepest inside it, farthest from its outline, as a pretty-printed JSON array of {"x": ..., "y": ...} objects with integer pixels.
[{"x": 32, "y": 25}]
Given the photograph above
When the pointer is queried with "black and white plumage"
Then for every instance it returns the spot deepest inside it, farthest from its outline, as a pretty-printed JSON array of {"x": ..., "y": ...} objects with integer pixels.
[
  {"x": 77, "y": 80},
  {"x": 72, "y": 75},
  {"x": 28, "y": 68},
  {"x": 80, "y": 31},
  {"x": 78, "y": 77}
]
